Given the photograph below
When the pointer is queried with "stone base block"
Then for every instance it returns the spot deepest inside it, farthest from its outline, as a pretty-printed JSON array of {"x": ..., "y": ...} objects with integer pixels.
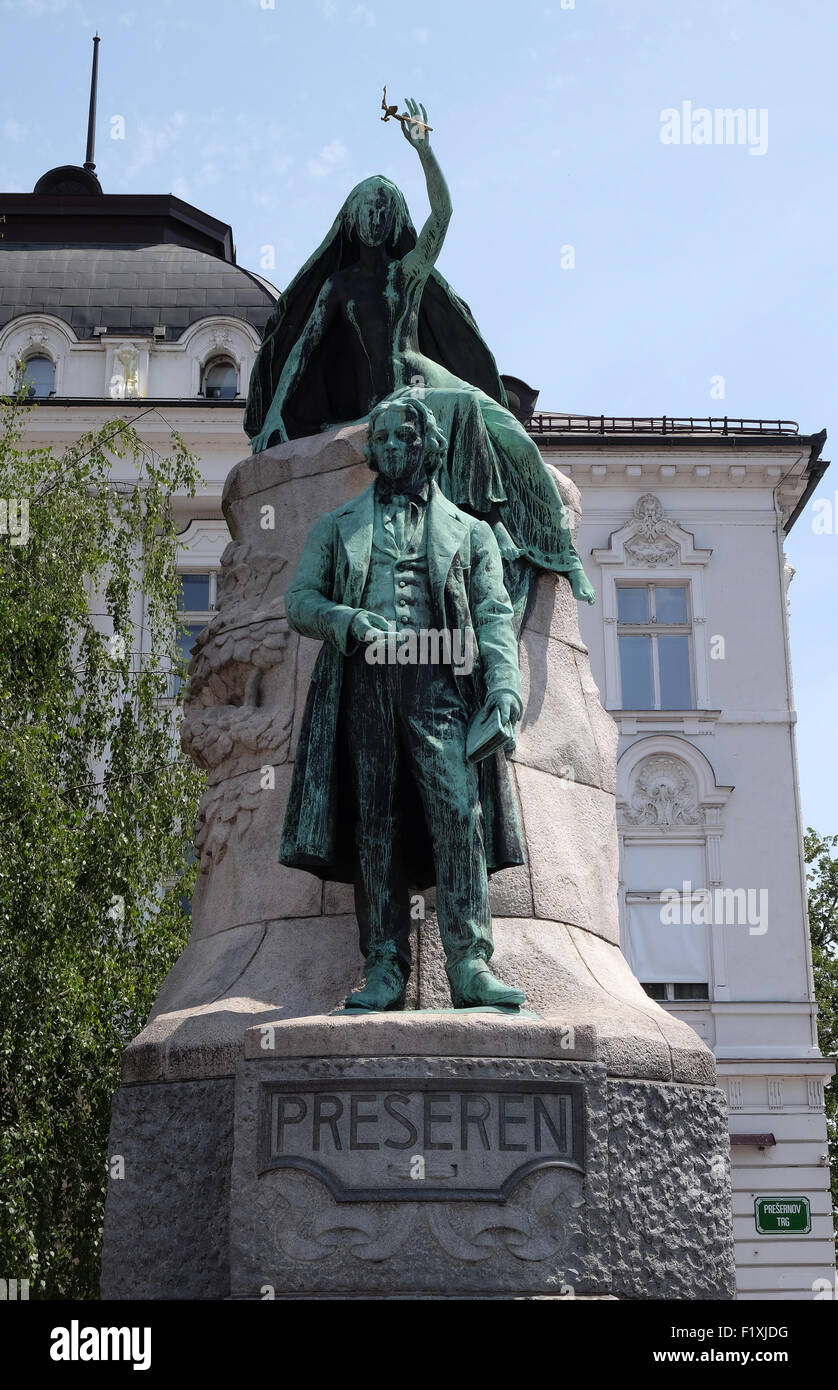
[
  {"x": 167, "y": 1233},
  {"x": 409, "y": 1156}
]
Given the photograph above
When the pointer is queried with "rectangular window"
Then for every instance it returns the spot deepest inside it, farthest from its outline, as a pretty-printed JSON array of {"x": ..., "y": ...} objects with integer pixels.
[
  {"x": 654, "y": 635},
  {"x": 636, "y": 671},
  {"x": 186, "y": 640},
  {"x": 194, "y": 596},
  {"x": 676, "y": 991},
  {"x": 656, "y": 991},
  {"x": 660, "y": 948},
  {"x": 668, "y": 950},
  {"x": 196, "y": 605}
]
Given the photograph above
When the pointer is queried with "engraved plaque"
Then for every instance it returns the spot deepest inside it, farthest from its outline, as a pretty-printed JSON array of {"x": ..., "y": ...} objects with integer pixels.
[{"x": 422, "y": 1140}]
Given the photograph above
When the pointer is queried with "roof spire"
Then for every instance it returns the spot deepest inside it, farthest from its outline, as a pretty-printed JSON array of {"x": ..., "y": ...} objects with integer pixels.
[{"x": 91, "y": 118}]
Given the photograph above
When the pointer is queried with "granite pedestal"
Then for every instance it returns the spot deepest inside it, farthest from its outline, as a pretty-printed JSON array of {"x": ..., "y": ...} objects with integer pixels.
[{"x": 620, "y": 1185}]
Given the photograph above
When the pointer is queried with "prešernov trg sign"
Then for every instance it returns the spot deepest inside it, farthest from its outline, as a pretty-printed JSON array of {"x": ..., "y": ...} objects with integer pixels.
[{"x": 782, "y": 1216}]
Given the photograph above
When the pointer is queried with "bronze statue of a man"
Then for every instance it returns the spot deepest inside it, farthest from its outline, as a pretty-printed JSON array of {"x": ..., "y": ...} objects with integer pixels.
[{"x": 383, "y": 794}]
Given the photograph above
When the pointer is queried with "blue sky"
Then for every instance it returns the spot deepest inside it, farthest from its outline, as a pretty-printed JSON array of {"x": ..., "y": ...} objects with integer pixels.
[{"x": 691, "y": 261}]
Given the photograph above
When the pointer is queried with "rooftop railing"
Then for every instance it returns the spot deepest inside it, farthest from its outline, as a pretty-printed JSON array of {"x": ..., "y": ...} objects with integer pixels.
[{"x": 655, "y": 424}]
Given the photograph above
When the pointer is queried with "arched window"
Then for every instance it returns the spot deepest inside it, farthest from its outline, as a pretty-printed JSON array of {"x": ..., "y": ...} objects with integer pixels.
[
  {"x": 37, "y": 376},
  {"x": 221, "y": 380}
]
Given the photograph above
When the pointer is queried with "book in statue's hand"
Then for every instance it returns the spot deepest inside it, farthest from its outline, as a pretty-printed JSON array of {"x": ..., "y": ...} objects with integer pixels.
[{"x": 486, "y": 732}]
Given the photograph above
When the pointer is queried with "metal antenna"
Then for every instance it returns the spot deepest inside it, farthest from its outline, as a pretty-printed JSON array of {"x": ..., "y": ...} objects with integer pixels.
[{"x": 91, "y": 118}]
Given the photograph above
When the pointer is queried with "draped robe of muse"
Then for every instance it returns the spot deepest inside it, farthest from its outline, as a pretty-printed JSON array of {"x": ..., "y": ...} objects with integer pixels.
[{"x": 493, "y": 469}]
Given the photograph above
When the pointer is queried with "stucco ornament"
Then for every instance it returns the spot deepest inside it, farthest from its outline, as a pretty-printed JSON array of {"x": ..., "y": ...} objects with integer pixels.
[
  {"x": 664, "y": 793},
  {"x": 651, "y": 544}
]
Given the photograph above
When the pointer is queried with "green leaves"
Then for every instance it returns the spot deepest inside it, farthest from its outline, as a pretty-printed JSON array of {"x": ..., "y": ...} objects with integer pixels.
[
  {"x": 822, "y": 880},
  {"x": 96, "y": 806}
]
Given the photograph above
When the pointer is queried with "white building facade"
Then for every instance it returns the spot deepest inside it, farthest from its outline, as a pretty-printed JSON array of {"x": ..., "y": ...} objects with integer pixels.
[{"x": 682, "y": 535}]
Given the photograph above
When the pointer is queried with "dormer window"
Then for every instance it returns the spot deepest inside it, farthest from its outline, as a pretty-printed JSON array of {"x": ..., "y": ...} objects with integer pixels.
[
  {"x": 221, "y": 380},
  {"x": 37, "y": 377}
]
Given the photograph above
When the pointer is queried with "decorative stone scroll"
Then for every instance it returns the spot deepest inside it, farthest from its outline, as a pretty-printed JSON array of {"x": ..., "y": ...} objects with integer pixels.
[{"x": 664, "y": 792}]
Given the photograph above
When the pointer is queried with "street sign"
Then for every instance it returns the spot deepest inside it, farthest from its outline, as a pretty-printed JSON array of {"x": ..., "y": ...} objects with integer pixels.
[{"x": 782, "y": 1216}]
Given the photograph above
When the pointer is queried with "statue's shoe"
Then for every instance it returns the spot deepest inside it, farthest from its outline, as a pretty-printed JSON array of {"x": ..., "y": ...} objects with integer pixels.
[
  {"x": 384, "y": 989},
  {"x": 472, "y": 983}
]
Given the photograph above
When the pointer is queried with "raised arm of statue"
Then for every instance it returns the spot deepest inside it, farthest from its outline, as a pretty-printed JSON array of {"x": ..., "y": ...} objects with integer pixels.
[
  {"x": 429, "y": 243},
  {"x": 298, "y": 359}
]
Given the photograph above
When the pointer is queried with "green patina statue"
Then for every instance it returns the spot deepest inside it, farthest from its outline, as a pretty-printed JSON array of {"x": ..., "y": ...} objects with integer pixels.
[
  {"x": 400, "y": 779},
  {"x": 369, "y": 316},
  {"x": 383, "y": 794}
]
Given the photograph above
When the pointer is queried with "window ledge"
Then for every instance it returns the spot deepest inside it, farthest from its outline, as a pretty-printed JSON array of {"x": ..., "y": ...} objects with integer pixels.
[{"x": 687, "y": 721}]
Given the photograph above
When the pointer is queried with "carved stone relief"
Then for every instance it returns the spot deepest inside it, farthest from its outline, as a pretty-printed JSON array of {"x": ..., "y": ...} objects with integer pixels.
[
  {"x": 663, "y": 792},
  {"x": 239, "y": 703},
  {"x": 651, "y": 545}
]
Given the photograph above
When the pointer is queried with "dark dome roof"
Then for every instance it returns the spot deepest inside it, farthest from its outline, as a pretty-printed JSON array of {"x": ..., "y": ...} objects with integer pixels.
[
  {"x": 127, "y": 289},
  {"x": 69, "y": 178}
]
